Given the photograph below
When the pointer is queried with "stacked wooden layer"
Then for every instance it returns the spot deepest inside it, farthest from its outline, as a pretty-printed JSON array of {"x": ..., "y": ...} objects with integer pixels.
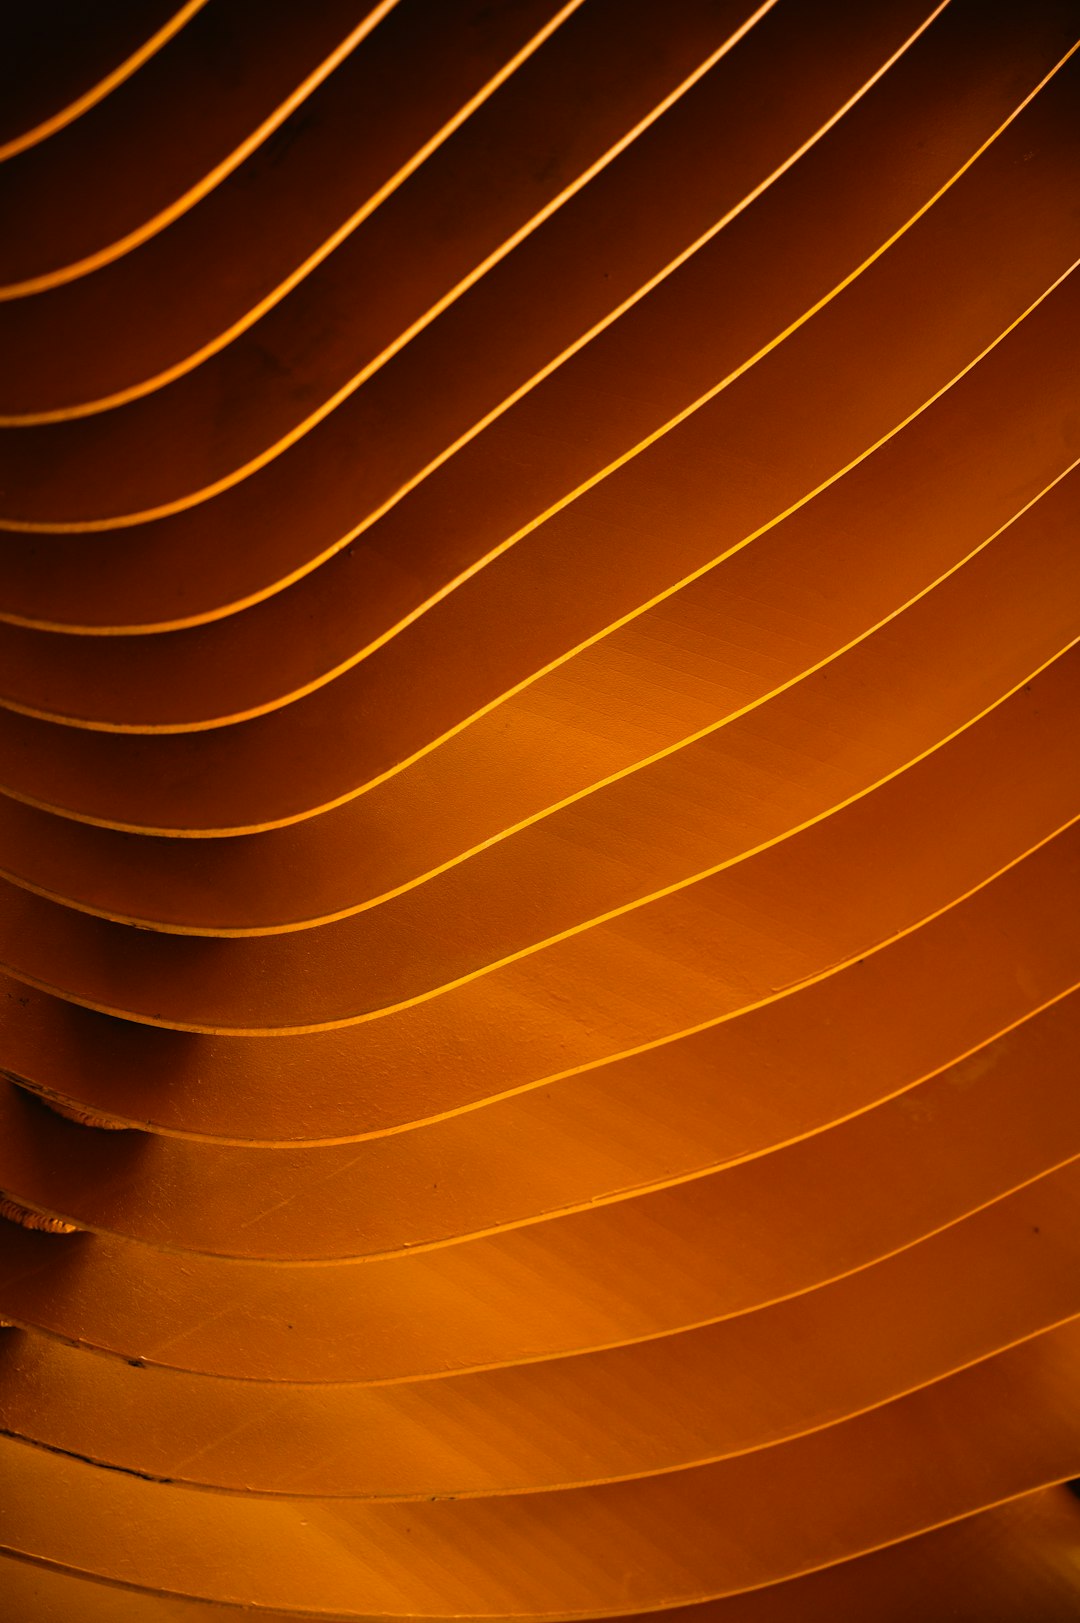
[{"x": 539, "y": 805}]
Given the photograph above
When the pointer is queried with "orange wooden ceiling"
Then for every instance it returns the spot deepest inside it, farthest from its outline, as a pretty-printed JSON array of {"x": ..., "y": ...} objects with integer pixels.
[{"x": 538, "y": 799}]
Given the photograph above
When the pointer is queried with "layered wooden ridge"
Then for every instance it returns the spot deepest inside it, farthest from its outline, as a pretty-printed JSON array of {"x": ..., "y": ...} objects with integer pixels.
[{"x": 539, "y": 800}]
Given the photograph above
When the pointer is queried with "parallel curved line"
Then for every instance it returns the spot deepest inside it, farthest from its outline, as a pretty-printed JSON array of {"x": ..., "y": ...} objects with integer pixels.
[
  {"x": 326, "y": 1296},
  {"x": 150, "y": 228},
  {"x": 996, "y": 898},
  {"x": 596, "y": 479},
  {"x": 479, "y": 1558},
  {"x": 341, "y": 1022},
  {"x": 993, "y": 910},
  {"x": 138, "y": 390},
  {"x": 299, "y": 847},
  {"x": 645, "y": 1475},
  {"x": 777, "y": 1323},
  {"x": 628, "y": 304},
  {"x": 239, "y": 933},
  {"x": 614, "y": 1197},
  {"x": 14, "y": 793},
  {"x": 622, "y": 910},
  {"x": 88, "y": 1387},
  {"x": 182, "y": 504},
  {"x": 294, "y": 1202},
  {"x": 1013, "y": 1553}
]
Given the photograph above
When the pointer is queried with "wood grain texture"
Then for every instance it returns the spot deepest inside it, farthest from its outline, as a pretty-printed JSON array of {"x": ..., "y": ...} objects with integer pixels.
[{"x": 540, "y": 813}]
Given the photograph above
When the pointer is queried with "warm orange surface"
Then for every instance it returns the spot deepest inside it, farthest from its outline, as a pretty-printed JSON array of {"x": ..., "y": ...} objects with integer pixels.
[{"x": 540, "y": 812}]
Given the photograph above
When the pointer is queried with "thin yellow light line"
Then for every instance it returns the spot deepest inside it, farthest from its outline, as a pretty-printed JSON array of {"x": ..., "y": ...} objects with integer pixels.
[
  {"x": 532, "y": 1220},
  {"x": 82, "y": 104},
  {"x": 368, "y": 1016},
  {"x": 464, "y": 439},
  {"x": 81, "y": 817},
  {"x": 242, "y": 933},
  {"x": 150, "y": 228},
  {"x": 136, "y": 391},
  {"x": 272, "y": 452},
  {"x": 437, "y": 1117}
]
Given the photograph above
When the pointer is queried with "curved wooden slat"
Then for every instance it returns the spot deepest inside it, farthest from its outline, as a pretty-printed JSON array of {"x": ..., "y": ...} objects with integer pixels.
[
  {"x": 584, "y": 1124},
  {"x": 546, "y": 1555},
  {"x": 403, "y": 1191},
  {"x": 502, "y": 174},
  {"x": 185, "y": 569},
  {"x": 147, "y": 153},
  {"x": 308, "y": 1089},
  {"x": 183, "y": 294},
  {"x": 506, "y": 168},
  {"x": 68, "y": 770},
  {"x": 991, "y": 1567},
  {"x": 1025, "y": 381},
  {"x": 584, "y": 1141},
  {"x": 555, "y": 739},
  {"x": 991, "y": 1280},
  {"x": 1026, "y": 582},
  {"x": 750, "y": 926},
  {"x": 669, "y": 1259}
]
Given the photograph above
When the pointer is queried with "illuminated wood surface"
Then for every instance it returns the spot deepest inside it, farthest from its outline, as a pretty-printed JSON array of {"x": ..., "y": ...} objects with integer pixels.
[{"x": 539, "y": 806}]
